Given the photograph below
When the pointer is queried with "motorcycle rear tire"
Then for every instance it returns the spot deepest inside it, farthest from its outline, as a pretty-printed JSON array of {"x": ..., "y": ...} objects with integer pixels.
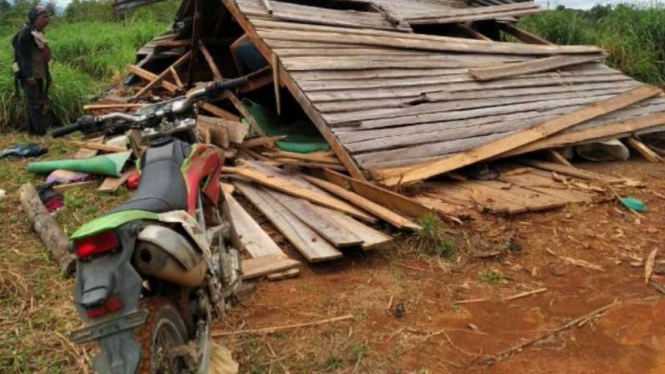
[{"x": 163, "y": 330}]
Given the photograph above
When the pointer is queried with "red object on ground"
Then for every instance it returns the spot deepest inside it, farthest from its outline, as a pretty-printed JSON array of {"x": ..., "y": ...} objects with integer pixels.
[{"x": 133, "y": 180}]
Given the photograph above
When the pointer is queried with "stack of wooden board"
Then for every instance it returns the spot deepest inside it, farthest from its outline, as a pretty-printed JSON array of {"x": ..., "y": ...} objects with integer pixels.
[
  {"x": 317, "y": 223},
  {"x": 391, "y": 103}
]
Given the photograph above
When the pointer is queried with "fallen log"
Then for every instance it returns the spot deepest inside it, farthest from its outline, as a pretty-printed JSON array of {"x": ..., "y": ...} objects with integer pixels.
[{"x": 53, "y": 237}]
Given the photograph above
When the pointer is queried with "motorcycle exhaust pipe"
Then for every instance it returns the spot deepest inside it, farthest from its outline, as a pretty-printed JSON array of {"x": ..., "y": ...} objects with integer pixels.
[{"x": 166, "y": 255}]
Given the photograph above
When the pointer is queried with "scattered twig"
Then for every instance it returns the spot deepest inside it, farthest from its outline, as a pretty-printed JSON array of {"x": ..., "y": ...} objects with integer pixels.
[
  {"x": 270, "y": 330},
  {"x": 648, "y": 266},
  {"x": 657, "y": 286},
  {"x": 581, "y": 263},
  {"x": 390, "y": 303},
  {"x": 471, "y": 301},
  {"x": 508, "y": 352},
  {"x": 525, "y": 294}
]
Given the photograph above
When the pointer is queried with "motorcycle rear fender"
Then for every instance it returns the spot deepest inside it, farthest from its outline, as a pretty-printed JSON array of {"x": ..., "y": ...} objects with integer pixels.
[{"x": 112, "y": 275}]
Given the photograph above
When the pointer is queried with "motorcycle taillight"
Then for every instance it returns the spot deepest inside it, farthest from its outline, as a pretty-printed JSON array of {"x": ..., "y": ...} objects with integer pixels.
[
  {"x": 94, "y": 245},
  {"x": 111, "y": 305}
]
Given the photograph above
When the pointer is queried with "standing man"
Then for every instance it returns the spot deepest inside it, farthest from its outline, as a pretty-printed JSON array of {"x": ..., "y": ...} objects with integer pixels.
[{"x": 32, "y": 55}]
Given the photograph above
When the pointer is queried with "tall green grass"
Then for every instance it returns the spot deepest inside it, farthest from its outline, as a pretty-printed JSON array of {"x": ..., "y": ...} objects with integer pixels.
[
  {"x": 634, "y": 35},
  {"x": 87, "y": 55}
]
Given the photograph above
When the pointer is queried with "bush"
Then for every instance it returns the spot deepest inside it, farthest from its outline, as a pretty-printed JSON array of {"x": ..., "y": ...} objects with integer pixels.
[{"x": 634, "y": 35}]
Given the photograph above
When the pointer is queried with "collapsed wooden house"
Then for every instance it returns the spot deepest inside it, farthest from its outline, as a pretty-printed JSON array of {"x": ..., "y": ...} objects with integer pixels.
[{"x": 401, "y": 91}]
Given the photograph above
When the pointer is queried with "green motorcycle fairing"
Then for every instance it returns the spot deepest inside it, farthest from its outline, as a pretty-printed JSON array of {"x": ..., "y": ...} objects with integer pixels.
[{"x": 112, "y": 222}]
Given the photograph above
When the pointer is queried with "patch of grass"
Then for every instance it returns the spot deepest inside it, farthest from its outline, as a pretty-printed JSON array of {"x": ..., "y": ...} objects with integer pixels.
[
  {"x": 490, "y": 276},
  {"x": 433, "y": 240}
]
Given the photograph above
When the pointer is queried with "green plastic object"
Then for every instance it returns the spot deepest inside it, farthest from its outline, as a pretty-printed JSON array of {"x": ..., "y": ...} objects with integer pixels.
[
  {"x": 635, "y": 204},
  {"x": 111, "y": 222},
  {"x": 109, "y": 165},
  {"x": 301, "y": 136}
]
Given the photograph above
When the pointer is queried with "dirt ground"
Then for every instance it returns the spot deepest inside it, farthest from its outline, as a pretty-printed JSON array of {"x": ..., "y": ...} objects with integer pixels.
[
  {"x": 433, "y": 334},
  {"x": 406, "y": 315}
]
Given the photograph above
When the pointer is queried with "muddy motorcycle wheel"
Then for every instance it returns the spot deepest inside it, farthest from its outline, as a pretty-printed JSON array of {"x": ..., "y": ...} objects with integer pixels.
[{"x": 163, "y": 331}]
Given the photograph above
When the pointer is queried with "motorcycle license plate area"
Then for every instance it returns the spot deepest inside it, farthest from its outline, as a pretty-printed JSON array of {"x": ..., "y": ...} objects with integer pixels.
[{"x": 110, "y": 327}]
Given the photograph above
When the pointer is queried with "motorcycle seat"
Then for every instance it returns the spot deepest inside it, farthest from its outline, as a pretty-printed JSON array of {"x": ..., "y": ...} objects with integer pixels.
[{"x": 162, "y": 186}]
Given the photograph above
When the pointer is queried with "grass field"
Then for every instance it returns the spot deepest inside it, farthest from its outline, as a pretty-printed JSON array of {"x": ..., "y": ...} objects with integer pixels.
[
  {"x": 634, "y": 35},
  {"x": 87, "y": 57}
]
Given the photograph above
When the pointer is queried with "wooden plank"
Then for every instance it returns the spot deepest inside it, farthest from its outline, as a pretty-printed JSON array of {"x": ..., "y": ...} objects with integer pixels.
[
  {"x": 368, "y": 205},
  {"x": 259, "y": 141},
  {"x": 439, "y": 43},
  {"x": 258, "y": 79},
  {"x": 548, "y": 186},
  {"x": 571, "y": 171},
  {"x": 97, "y": 146},
  {"x": 371, "y": 238},
  {"x": 297, "y": 93},
  {"x": 308, "y": 164},
  {"x": 176, "y": 78},
  {"x": 304, "y": 239},
  {"x": 278, "y": 97},
  {"x": 523, "y": 36},
  {"x": 69, "y": 186},
  {"x": 472, "y": 11},
  {"x": 288, "y": 274},
  {"x": 150, "y": 77},
  {"x": 219, "y": 112},
  {"x": 211, "y": 62},
  {"x": 322, "y": 224},
  {"x": 289, "y": 188},
  {"x": 477, "y": 17},
  {"x": 533, "y": 66},
  {"x": 112, "y": 184},
  {"x": 381, "y": 196},
  {"x": 247, "y": 234},
  {"x": 516, "y": 140},
  {"x": 313, "y": 157},
  {"x": 162, "y": 75},
  {"x": 556, "y": 157},
  {"x": 614, "y": 129},
  {"x": 258, "y": 267},
  {"x": 532, "y": 200},
  {"x": 643, "y": 150}
]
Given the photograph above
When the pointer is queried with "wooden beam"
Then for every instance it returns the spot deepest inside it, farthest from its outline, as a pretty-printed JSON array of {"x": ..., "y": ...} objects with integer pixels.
[
  {"x": 162, "y": 75},
  {"x": 172, "y": 44},
  {"x": 297, "y": 93},
  {"x": 111, "y": 184},
  {"x": 219, "y": 112},
  {"x": 176, "y": 78},
  {"x": 606, "y": 131},
  {"x": 366, "y": 204},
  {"x": 382, "y": 196},
  {"x": 148, "y": 76},
  {"x": 266, "y": 4},
  {"x": 533, "y": 66},
  {"x": 99, "y": 147},
  {"x": 571, "y": 171},
  {"x": 211, "y": 62},
  {"x": 287, "y": 187},
  {"x": 258, "y": 79},
  {"x": 311, "y": 157},
  {"x": 643, "y": 150},
  {"x": 521, "y": 35},
  {"x": 525, "y": 137},
  {"x": 196, "y": 36},
  {"x": 240, "y": 107},
  {"x": 557, "y": 157},
  {"x": 275, "y": 70},
  {"x": 256, "y": 142},
  {"x": 471, "y": 32},
  {"x": 69, "y": 186},
  {"x": 51, "y": 234}
]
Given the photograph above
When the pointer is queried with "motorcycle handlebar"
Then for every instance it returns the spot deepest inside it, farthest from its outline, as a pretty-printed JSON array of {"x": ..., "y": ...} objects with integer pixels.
[
  {"x": 66, "y": 130},
  {"x": 230, "y": 84}
]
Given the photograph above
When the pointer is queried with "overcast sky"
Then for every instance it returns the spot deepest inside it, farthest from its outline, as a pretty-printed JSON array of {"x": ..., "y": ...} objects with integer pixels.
[{"x": 580, "y": 4}]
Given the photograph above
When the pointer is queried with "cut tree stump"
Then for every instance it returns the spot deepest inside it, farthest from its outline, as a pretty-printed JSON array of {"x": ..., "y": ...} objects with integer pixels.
[{"x": 53, "y": 237}]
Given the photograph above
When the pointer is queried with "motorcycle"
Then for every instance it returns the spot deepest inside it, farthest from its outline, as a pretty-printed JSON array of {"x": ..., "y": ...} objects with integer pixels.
[{"x": 152, "y": 273}]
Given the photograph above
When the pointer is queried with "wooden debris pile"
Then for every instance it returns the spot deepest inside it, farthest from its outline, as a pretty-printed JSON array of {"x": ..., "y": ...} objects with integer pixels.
[{"x": 401, "y": 91}]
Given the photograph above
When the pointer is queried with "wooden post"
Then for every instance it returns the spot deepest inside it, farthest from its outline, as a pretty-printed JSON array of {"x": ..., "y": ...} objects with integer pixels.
[
  {"x": 210, "y": 61},
  {"x": 196, "y": 33},
  {"x": 556, "y": 157},
  {"x": 245, "y": 113},
  {"x": 275, "y": 79},
  {"x": 643, "y": 150},
  {"x": 176, "y": 78},
  {"x": 160, "y": 78},
  {"x": 48, "y": 229}
]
